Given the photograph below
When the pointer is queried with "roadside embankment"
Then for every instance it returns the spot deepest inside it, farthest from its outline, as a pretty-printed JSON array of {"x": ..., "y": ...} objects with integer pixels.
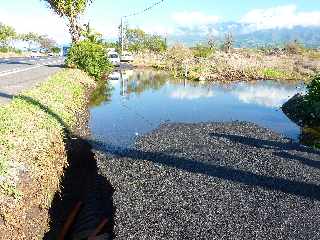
[
  {"x": 34, "y": 131},
  {"x": 239, "y": 64}
]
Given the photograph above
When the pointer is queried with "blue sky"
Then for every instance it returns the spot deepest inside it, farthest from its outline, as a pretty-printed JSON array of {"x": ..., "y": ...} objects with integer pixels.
[{"x": 104, "y": 15}]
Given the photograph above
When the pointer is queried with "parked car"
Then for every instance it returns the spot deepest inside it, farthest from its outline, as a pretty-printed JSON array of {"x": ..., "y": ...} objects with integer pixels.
[
  {"x": 34, "y": 53},
  {"x": 114, "y": 58},
  {"x": 126, "y": 57}
]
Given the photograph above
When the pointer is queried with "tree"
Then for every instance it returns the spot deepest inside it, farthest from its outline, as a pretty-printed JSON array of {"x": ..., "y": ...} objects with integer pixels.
[
  {"x": 7, "y": 33},
  {"x": 138, "y": 40},
  {"x": 155, "y": 43},
  {"x": 31, "y": 38},
  {"x": 46, "y": 42},
  {"x": 211, "y": 41},
  {"x": 92, "y": 35},
  {"x": 228, "y": 42},
  {"x": 71, "y": 11},
  {"x": 135, "y": 38}
]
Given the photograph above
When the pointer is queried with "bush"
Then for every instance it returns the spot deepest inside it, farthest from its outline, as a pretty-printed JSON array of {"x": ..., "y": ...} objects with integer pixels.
[
  {"x": 271, "y": 73},
  {"x": 314, "y": 90},
  {"x": 202, "y": 51},
  {"x": 294, "y": 47},
  {"x": 10, "y": 50},
  {"x": 177, "y": 57},
  {"x": 90, "y": 57}
]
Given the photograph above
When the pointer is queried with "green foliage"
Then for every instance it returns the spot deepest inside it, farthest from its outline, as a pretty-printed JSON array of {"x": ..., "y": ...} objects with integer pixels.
[
  {"x": 70, "y": 10},
  {"x": 31, "y": 38},
  {"x": 202, "y": 51},
  {"x": 90, "y": 57},
  {"x": 137, "y": 41},
  {"x": 55, "y": 50},
  {"x": 313, "y": 95},
  {"x": 10, "y": 49},
  {"x": 7, "y": 33},
  {"x": 271, "y": 73},
  {"x": 155, "y": 43}
]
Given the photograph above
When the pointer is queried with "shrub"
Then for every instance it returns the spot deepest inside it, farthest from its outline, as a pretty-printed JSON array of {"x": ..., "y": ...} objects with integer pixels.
[
  {"x": 202, "y": 51},
  {"x": 90, "y": 57},
  {"x": 177, "y": 57},
  {"x": 271, "y": 73},
  {"x": 314, "y": 90},
  {"x": 294, "y": 47}
]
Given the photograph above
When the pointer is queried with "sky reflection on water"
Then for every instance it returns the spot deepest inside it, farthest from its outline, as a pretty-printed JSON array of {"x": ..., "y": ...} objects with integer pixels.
[{"x": 142, "y": 100}]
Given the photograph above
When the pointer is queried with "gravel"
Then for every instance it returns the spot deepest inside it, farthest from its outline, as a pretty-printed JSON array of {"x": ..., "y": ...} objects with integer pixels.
[{"x": 214, "y": 181}]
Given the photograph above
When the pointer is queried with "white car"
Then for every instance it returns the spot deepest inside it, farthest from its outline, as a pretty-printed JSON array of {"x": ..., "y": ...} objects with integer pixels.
[
  {"x": 126, "y": 57},
  {"x": 114, "y": 58}
]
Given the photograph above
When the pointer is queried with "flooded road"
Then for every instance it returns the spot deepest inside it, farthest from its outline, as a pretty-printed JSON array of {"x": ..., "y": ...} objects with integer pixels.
[{"x": 135, "y": 102}]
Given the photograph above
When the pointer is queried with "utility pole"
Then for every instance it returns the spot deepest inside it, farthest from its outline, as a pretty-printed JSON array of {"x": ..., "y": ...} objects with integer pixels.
[{"x": 122, "y": 34}]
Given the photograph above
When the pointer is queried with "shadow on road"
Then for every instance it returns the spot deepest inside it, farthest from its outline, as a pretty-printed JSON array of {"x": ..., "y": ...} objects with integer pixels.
[
  {"x": 18, "y": 63},
  {"x": 302, "y": 189},
  {"x": 5, "y": 95},
  {"x": 280, "y": 149}
]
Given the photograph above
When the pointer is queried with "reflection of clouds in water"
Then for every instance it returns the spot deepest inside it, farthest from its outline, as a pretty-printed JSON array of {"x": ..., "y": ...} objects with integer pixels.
[
  {"x": 191, "y": 93},
  {"x": 265, "y": 95}
]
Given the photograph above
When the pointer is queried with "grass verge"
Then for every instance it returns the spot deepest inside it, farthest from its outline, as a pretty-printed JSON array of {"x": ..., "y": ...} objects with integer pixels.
[{"x": 33, "y": 129}]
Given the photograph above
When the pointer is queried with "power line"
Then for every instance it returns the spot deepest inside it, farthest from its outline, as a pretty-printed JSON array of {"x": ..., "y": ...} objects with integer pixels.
[
  {"x": 135, "y": 14},
  {"x": 145, "y": 10}
]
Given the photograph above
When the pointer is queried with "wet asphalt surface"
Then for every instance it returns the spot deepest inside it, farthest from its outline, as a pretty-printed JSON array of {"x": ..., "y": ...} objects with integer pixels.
[
  {"x": 214, "y": 181},
  {"x": 18, "y": 74}
]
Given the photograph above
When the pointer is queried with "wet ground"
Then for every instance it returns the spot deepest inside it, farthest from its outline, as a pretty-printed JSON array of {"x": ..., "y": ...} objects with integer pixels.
[
  {"x": 184, "y": 162},
  {"x": 214, "y": 181}
]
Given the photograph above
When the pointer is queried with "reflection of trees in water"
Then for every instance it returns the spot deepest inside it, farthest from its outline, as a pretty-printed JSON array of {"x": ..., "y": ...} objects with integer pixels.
[
  {"x": 143, "y": 81},
  {"x": 101, "y": 94},
  {"x": 153, "y": 80},
  {"x": 310, "y": 137}
]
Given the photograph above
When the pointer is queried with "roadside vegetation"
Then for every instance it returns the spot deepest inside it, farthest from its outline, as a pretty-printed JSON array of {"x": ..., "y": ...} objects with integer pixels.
[
  {"x": 226, "y": 63},
  {"x": 136, "y": 40},
  {"x": 33, "y": 132},
  {"x": 9, "y": 36},
  {"x": 89, "y": 56}
]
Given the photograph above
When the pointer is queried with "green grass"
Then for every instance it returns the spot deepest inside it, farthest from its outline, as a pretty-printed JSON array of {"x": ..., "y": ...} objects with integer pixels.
[
  {"x": 34, "y": 125},
  {"x": 270, "y": 73}
]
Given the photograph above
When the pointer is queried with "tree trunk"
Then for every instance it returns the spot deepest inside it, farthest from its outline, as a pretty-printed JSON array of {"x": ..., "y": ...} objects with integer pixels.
[{"x": 74, "y": 30}]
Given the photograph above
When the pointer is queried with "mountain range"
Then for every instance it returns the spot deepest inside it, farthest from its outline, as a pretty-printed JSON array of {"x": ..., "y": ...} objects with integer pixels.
[{"x": 247, "y": 35}]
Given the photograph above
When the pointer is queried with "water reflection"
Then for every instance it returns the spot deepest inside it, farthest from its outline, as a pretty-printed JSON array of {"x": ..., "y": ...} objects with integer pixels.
[
  {"x": 267, "y": 93},
  {"x": 139, "y": 101},
  {"x": 102, "y": 93},
  {"x": 191, "y": 94}
]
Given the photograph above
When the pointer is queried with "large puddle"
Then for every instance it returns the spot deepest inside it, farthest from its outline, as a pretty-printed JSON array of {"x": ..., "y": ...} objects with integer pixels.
[{"x": 137, "y": 101}]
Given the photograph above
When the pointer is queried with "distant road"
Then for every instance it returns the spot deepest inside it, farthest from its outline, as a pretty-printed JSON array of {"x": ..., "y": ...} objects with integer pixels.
[{"x": 18, "y": 74}]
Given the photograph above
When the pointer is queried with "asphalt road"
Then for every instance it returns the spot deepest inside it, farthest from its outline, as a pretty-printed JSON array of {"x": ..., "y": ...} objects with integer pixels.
[{"x": 18, "y": 74}]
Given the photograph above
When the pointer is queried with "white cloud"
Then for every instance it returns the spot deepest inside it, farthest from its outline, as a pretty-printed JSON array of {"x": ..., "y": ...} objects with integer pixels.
[
  {"x": 191, "y": 19},
  {"x": 41, "y": 22},
  {"x": 264, "y": 94},
  {"x": 191, "y": 94},
  {"x": 281, "y": 17}
]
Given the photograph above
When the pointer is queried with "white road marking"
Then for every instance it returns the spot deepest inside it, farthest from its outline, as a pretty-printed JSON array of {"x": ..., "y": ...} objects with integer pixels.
[{"x": 19, "y": 70}]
